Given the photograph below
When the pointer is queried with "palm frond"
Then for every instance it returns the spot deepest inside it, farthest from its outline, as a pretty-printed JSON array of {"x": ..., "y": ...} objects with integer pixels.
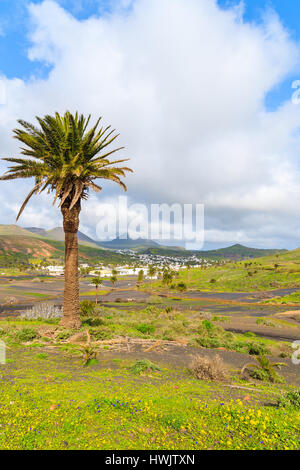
[{"x": 65, "y": 157}]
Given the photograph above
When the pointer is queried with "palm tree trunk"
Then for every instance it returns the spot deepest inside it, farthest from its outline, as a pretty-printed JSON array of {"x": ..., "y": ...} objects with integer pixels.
[
  {"x": 71, "y": 307},
  {"x": 96, "y": 295}
]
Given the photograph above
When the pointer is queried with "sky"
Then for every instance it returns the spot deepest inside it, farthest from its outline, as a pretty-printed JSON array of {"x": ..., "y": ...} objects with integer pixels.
[{"x": 200, "y": 91}]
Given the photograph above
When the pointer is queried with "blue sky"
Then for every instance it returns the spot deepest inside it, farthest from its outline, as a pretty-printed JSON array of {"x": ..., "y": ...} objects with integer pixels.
[
  {"x": 15, "y": 29},
  {"x": 289, "y": 13}
]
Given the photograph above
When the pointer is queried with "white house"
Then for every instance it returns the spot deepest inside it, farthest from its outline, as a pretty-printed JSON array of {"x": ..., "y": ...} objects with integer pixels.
[{"x": 56, "y": 270}]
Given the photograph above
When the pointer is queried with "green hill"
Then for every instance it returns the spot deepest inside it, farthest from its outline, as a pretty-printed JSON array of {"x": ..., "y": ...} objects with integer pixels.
[
  {"x": 15, "y": 230},
  {"x": 18, "y": 245},
  {"x": 239, "y": 252},
  {"x": 128, "y": 244},
  {"x": 235, "y": 252},
  {"x": 57, "y": 234}
]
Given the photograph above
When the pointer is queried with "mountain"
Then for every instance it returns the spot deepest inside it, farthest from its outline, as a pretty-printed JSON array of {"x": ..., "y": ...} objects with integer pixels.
[
  {"x": 38, "y": 231},
  {"x": 128, "y": 244},
  {"x": 140, "y": 244},
  {"x": 235, "y": 252},
  {"x": 19, "y": 245},
  {"x": 57, "y": 234},
  {"x": 15, "y": 230}
]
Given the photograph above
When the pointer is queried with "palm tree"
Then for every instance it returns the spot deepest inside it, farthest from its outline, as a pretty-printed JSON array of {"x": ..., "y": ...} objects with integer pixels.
[
  {"x": 96, "y": 281},
  {"x": 151, "y": 274},
  {"x": 66, "y": 158},
  {"x": 113, "y": 280}
]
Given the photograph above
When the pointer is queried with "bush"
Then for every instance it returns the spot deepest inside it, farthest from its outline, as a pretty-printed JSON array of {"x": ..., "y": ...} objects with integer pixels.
[
  {"x": 255, "y": 349},
  {"x": 169, "y": 309},
  {"x": 143, "y": 366},
  {"x": 208, "y": 325},
  {"x": 205, "y": 368},
  {"x": 64, "y": 334},
  {"x": 42, "y": 311},
  {"x": 290, "y": 399},
  {"x": 101, "y": 333},
  {"x": 181, "y": 286},
  {"x": 26, "y": 334},
  {"x": 87, "y": 308},
  {"x": 145, "y": 329},
  {"x": 91, "y": 321}
]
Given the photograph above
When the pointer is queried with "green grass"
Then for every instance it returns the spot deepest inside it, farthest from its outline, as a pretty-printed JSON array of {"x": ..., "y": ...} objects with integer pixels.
[
  {"x": 153, "y": 323},
  {"x": 292, "y": 299},
  {"x": 267, "y": 273},
  {"x": 55, "y": 403}
]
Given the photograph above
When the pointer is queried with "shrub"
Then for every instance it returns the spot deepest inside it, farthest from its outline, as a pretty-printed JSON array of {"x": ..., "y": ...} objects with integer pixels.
[
  {"x": 208, "y": 325},
  {"x": 89, "y": 355},
  {"x": 143, "y": 366},
  {"x": 181, "y": 286},
  {"x": 64, "y": 334},
  {"x": 101, "y": 333},
  {"x": 42, "y": 311},
  {"x": 169, "y": 309},
  {"x": 92, "y": 321},
  {"x": 205, "y": 368},
  {"x": 256, "y": 349},
  {"x": 87, "y": 308},
  {"x": 264, "y": 369},
  {"x": 145, "y": 329},
  {"x": 250, "y": 334},
  {"x": 290, "y": 399},
  {"x": 26, "y": 334}
]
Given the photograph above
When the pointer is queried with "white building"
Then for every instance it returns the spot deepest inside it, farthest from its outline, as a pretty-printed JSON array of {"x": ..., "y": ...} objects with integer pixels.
[{"x": 56, "y": 270}]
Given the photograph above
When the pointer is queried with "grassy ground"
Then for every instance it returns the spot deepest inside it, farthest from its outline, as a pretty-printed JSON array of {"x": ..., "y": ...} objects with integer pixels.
[
  {"x": 291, "y": 299},
  {"x": 271, "y": 272},
  {"x": 50, "y": 401},
  {"x": 188, "y": 327}
]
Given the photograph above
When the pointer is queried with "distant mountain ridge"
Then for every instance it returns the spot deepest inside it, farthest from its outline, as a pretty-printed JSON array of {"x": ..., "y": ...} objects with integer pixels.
[
  {"x": 54, "y": 239},
  {"x": 18, "y": 245},
  {"x": 234, "y": 252},
  {"x": 57, "y": 234}
]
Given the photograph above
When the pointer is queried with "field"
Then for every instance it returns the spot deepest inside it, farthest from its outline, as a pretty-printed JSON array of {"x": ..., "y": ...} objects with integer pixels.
[
  {"x": 128, "y": 380},
  {"x": 53, "y": 402},
  {"x": 261, "y": 274}
]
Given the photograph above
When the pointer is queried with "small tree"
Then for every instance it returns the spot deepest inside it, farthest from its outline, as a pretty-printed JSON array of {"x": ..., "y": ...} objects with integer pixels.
[
  {"x": 113, "y": 280},
  {"x": 188, "y": 267},
  {"x": 151, "y": 274},
  {"x": 264, "y": 369},
  {"x": 167, "y": 277},
  {"x": 97, "y": 282},
  {"x": 140, "y": 277}
]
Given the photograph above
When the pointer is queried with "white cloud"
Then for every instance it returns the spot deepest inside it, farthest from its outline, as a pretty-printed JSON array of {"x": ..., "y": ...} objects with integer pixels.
[{"x": 184, "y": 82}]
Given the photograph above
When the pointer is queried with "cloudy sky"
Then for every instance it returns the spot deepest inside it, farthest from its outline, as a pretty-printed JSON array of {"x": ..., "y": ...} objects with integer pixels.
[{"x": 200, "y": 91}]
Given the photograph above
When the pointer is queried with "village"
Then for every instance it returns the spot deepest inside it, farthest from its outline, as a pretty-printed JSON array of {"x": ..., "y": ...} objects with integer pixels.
[{"x": 142, "y": 262}]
